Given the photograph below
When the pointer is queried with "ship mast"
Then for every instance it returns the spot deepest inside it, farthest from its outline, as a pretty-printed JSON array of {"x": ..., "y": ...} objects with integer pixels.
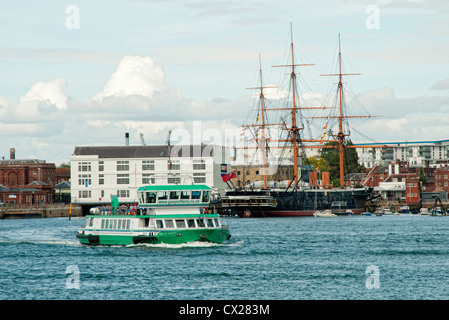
[
  {"x": 262, "y": 142},
  {"x": 341, "y": 135},
  {"x": 294, "y": 129}
]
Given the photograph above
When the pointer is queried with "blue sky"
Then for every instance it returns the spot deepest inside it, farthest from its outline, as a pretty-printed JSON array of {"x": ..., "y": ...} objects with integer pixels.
[{"x": 150, "y": 66}]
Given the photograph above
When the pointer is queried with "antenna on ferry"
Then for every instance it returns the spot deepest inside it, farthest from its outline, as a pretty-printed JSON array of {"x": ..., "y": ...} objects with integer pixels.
[{"x": 169, "y": 150}]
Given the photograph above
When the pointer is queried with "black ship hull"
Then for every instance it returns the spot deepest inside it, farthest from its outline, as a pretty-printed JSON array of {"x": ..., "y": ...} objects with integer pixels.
[{"x": 277, "y": 203}]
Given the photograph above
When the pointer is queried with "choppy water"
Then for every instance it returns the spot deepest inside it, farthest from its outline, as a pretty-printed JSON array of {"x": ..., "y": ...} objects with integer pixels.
[{"x": 271, "y": 258}]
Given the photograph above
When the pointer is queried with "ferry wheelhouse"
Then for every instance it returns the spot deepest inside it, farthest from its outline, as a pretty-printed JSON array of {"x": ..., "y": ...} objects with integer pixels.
[{"x": 170, "y": 214}]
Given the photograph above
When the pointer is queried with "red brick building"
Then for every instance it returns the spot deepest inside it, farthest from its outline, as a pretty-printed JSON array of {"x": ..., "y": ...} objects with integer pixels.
[
  {"x": 27, "y": 181},
  {"x": 412, "y": 189},
  {"x": 441, "y": 178}
]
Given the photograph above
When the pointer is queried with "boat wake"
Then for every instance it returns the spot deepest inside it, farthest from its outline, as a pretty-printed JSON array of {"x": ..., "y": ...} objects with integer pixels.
[{"x": 39, "y": 242}]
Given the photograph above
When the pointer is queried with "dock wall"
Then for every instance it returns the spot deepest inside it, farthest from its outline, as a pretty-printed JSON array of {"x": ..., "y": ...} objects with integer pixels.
[{"x": 48, "y": 211}]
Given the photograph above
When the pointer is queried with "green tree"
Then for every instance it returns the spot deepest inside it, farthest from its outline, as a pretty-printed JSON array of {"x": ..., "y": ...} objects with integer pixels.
[
  {"x": 332, "y": 156},
  {"x": 422, "y": 176},
  {"x": 317, "y": 163}
]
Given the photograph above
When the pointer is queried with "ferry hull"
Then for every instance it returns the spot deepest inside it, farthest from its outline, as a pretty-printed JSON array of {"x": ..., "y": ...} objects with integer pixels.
[{"x": 176, "y": 236}]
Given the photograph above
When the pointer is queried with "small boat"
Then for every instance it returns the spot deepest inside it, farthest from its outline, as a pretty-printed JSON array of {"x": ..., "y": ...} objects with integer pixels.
[
  {"x": 378, "y": 212},
  {"x": 324, "y": 214},
  {"x": 384, "y": 210},
  {"x": 404, "y": 209},
  {"x": 367, "y": 213},
  {"x": 170, "y": 214},
  {"x": 424, "y": 211},
  {"x": 437, "y": 211}
]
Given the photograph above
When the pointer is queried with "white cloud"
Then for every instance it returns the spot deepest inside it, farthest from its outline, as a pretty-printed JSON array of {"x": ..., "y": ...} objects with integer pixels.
[
  {"x": 50, "y": 92},
  {"x": 441, "y": 85},
  {"x": 134, "y": 76}
]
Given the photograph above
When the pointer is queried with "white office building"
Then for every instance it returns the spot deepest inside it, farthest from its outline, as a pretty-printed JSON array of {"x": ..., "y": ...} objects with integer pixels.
[{"x": 101, "y": 171}]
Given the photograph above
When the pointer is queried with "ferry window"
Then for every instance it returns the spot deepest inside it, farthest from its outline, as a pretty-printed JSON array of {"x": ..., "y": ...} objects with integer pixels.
[
  {"x": 206, "y": 195},
  {"x": 191, "y": 223},
  {"x": 106, "y": 224},
  {"x": 169, "y": 224},
  {"x": 174, "y": 195},
  {"x": 114, "y": 224},
  {"x": 185, "y": 195},
  {"x": 127, "y": 224},
  {"x": 159, "y": 224},
  {"x": 217, "y": 223},
  {"x": 200, "y": 223},
  {"x": 150, "y": 197},
  {"x": 141, "y": 198},
  {"x": 196, "y": 194},
  {"x": 102, "y": 223},
  {"x": 119, "y": 226},
  {"x": 147, "y": 222},
  {"x": 162, "y": 195},
  {"x": 181, "y": 223},
  {"x": 210, "y": 223}
]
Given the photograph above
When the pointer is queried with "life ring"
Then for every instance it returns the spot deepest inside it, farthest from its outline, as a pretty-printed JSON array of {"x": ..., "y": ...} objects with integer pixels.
[
  {"x": 133, "y": 211},
  {"x": 205, "y": 210}
]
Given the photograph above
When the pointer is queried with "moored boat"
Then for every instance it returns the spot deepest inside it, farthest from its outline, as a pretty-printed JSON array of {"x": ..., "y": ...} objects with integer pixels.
[
  {"x": 324, "y": 214},
  {"x": 170, "y": 214}
]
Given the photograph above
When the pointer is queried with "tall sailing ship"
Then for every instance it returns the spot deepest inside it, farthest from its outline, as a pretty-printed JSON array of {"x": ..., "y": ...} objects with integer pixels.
[{"x": 297, "y": 199}]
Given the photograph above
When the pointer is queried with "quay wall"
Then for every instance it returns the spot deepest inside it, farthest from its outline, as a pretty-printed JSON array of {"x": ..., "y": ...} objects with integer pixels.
[{"x": 48, "y": 211}]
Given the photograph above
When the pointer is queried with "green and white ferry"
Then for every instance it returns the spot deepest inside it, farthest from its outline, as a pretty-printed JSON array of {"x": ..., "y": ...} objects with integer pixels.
[{"x": 170, "y": 214}]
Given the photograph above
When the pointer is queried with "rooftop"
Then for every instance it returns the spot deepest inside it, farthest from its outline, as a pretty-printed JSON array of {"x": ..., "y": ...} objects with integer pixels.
[{"x": 144, "y": 151}]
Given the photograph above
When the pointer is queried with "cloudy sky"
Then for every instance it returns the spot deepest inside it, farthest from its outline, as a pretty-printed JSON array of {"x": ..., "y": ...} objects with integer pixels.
[{"x": 85, "y": 72}]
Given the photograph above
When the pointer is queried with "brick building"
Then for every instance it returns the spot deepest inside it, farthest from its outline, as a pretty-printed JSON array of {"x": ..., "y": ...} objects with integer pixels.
[
  {"x": 26, "y": 181},
  {"x": 441, "y": 178}
]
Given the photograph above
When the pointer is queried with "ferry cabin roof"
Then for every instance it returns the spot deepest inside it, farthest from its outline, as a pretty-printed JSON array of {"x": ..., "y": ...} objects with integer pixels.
[{"x": 175, "y": 187}]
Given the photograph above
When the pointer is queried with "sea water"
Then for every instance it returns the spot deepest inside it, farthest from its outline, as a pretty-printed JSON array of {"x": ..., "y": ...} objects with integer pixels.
[{"x": 307, "y": 258}]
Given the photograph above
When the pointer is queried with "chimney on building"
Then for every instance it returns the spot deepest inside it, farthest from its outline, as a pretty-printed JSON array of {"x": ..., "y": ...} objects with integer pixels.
[
  {"x": 396, "y": 168},
  {"x": 126, "y": 138},
  {"x": 12, "y": 153}
]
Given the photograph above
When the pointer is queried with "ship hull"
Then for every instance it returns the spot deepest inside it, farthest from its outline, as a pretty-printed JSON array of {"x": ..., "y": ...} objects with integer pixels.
[{"x": 301, "y": 203}]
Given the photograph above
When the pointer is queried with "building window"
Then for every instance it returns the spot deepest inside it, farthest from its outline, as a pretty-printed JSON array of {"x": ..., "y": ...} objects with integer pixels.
[
  {"x": 83, "y": 194},
  {"x": 174, "y": 180},
  {"x": 147, "y": 165},
  {"x": 101, "y": 166},
  {"x": 101, "y": 179},
  {"x": 84, "y": 179},
  {"x": 199, "y": 177},
  {"x": 122, "y": 165},
  {"x": 84, "y": 166},
  {"x": 123, "y": 193},
  {"x": 123, "y": 179},
  {"x": 199, "y": 165},
  {"x": 174, "y": 165},
  {"x": 146, "y": 178}
]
